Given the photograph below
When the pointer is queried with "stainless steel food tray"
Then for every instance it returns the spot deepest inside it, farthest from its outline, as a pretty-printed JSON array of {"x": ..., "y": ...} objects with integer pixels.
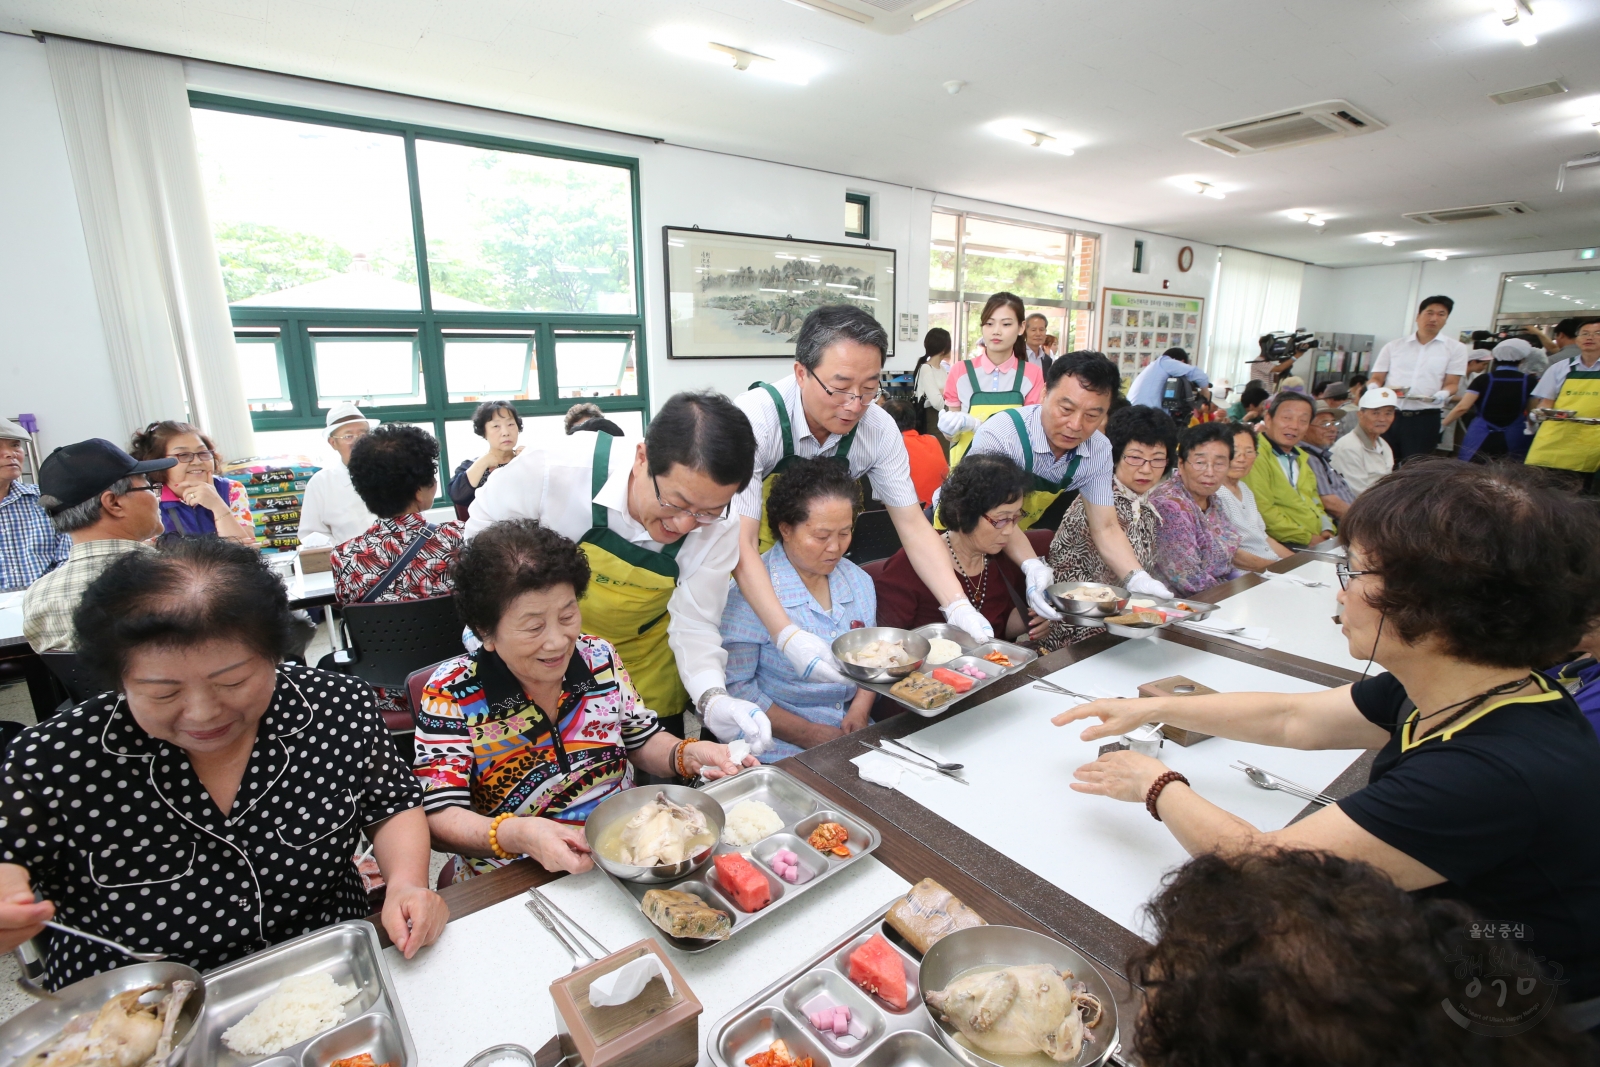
[
  {"x": 350, "y": 953},
  {"x": 974, "y": 650},
  {"x": 894, "y": 1039},
  {"x": 1200, "y": 609},
  {"x": 801, "y": 809}
]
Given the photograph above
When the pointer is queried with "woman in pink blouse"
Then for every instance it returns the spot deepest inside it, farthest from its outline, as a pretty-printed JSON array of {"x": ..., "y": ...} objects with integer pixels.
[{"x": 1195, "y": 542}]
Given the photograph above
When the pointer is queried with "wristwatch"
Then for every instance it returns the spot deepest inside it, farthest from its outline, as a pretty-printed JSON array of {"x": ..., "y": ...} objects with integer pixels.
[{"x": 705, "y": 698}]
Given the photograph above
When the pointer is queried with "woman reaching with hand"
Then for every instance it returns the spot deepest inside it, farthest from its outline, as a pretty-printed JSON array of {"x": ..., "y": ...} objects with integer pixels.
[{"x": 1483, "y": 790}]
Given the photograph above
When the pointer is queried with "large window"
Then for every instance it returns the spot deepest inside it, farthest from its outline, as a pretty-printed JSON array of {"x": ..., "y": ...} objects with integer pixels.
[
  {"x": 974, "y": 257},
  {"x": 419, "y": 272}
]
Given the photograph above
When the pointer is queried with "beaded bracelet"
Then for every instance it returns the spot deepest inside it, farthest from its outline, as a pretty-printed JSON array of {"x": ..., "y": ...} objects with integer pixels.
[
  {"x": 677, "y": 758},
  {"x": 1156, "y": 787},
  {"x": 494, "y": 835}
]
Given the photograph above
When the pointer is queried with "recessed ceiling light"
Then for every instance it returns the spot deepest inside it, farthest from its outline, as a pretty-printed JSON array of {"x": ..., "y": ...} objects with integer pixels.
[{"x": 1207, "y": 189}]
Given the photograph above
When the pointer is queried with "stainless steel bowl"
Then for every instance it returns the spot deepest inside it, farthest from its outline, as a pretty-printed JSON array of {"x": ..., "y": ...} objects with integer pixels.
[
  {"x": 25, "y": 1032},
  {"x": 1010, "y": 946},
  {"x": 844, "y": 644},
  {"x": 620, "y": 807},
  {"x": 1094, "y": 609}
]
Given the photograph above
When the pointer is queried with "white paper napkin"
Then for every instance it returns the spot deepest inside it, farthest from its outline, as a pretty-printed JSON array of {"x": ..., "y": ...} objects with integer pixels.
[
  {"x": 1309, "y": 583},
  {"x": 627, "y": 981},
  {"x": 1254, "y": 636},
  {"x": 879, "y": 769}
]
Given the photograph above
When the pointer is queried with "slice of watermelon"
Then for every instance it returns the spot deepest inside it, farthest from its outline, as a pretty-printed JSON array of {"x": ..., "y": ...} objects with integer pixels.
[
  {"x": 747, "y": 886},
  {"x": 876, "y": 967},
  {"x": 954, "y": 679}
]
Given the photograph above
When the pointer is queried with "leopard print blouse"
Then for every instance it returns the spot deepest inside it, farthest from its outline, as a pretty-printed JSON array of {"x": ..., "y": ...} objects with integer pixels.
[{"x": 1073, "y": 557}]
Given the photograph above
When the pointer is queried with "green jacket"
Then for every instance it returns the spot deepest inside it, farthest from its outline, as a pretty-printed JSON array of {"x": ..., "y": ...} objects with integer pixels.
[{"x": 1293, "y": 512}]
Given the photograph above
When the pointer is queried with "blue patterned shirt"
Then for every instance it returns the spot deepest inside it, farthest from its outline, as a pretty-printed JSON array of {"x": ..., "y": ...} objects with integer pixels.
[
  {"x": 759, "y": 673},
  {"x": 29, "y": 543}
]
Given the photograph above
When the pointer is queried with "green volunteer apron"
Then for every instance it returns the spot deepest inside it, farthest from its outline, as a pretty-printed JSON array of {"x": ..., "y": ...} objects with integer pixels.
[
  {"x": 1043, "y": 492},
  {"x": 626, "y": 602},
  {"x": 841, "y": 454},
  {"x": 982, "y": 404}
]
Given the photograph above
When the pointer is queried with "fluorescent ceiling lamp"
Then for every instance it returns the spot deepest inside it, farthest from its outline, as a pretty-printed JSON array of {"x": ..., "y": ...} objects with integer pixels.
[
  {"x": 1310, "y": 217},
  {"x": 1383, "y": 239},
  {"x": 1024, "y": 133},
  {"x": 1436, "y": 253},
  {"x": 1207, "y": 189},
  {"x": 698, "y": 44}
]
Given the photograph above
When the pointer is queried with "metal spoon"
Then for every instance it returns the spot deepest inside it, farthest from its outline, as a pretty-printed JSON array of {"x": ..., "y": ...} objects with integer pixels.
[
  {"x": 580, "y": 958},
  {"x": 924, "y": 755},
  {"x": 1263, "y": 780},
  {"x": 143, "y": 957}
]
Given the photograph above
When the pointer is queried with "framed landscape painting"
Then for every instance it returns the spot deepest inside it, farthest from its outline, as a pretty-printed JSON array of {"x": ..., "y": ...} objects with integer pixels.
[{"x": 741, "y": 295}]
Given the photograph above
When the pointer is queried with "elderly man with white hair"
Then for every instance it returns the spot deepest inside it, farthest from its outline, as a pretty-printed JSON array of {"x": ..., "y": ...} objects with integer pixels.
[
  {"x": 332, "y": 512},
  {"x": 1502, "y": 394}
]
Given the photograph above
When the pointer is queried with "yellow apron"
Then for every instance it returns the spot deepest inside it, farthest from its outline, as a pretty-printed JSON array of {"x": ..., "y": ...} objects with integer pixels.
[
  {"x": 841, "y": 454},
  {"x": 1037, "y": 500},
  {"x": 982, "y": 404},
  {"x": 1571, "y": 446},
  {"x": 626, "y": 602}
]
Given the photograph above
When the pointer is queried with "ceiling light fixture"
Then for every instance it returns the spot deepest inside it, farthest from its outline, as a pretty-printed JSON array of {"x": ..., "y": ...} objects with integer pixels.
[
  {"x": 1308, "y": 217},
  {"x": 1013, "y": 130},
  {"x": 1207, "y": 189},
  {"x": 1381, "y": 239},
  {"x": 696, "y": 44},
  {"x": 1436, "y": 253},
  {"x": 1517, "y": 16}
]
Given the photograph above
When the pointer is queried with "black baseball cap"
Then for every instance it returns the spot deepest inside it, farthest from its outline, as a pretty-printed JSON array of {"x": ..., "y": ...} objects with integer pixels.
[{"x": 75, "y": 473}]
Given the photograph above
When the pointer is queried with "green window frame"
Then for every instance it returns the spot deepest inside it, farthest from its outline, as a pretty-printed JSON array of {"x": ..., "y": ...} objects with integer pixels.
[
  {"x": 864, "y": 202},
  {"x": 298, "y": 328}
]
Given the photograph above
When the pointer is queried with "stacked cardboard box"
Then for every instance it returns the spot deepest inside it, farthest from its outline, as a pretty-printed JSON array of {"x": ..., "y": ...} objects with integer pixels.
[{"x": 277, "y": 486}]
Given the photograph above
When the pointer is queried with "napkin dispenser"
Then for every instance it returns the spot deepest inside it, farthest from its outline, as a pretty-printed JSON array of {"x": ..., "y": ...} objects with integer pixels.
[
  {"x": 1177, "y": 686},
  {"x": 657, "y": 1028},
  {"x": 316, "y": 560}
]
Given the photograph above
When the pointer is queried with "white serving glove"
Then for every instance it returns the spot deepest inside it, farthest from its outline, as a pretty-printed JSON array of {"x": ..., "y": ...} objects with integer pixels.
[
  {"x": 729, "y": 718},
  {"x": 966, "y": 618},
  {"x": 811, "y": 656},
  {"x": 1443, "y": 395},
  {"x": 1040, "y": 577},
  {"x": 953, "y": 422},
  {"x": 1141, "y": 582}
]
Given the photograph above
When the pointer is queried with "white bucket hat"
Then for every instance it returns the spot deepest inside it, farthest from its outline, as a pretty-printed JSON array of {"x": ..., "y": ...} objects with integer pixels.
[{"x": 346, "y": 411}]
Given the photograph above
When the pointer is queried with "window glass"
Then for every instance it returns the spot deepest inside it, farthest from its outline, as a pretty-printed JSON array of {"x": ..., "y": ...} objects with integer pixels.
[
  {"x": 310, "y": 443},
  {"x": 942, "y": 264},
  {"x": 595, "y": 364},
  {"x": 1024, "y": 260},
  {"x": 1563, "y": 293},
  {"x": 306, "y": 215},
  {"x": 510, "y": 231},
  {"x": 480, "y": 368},
  {"x": 261, "y": 372},
  {"x": 373, "y": 371}
]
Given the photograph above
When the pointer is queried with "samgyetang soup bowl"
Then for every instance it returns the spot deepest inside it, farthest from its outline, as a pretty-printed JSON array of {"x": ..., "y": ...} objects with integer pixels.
[
  {"x": 846, "y": 645},
  {"x": 994, "y": 947},
  {"x": 618, "y": 808}
]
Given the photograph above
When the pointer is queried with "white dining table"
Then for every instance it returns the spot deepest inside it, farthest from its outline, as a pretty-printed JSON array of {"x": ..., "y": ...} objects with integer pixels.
[
  {"x": 1299, "y": 620},
  {"x": 1109, "y": 854}
]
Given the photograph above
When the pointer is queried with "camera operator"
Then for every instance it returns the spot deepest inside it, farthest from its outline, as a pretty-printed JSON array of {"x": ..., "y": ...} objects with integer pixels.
[
  {"x": 1424, "y": 370},
  {"x": 1171, "y": 369},
  {"x": 1278, "y": 353}
]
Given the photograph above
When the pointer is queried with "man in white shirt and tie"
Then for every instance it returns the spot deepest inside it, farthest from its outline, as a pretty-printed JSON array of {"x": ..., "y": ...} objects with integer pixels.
[{"x": 1423, "y": 370}]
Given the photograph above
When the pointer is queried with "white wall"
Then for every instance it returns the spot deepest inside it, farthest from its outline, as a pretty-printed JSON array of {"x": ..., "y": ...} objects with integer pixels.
[
  {"x": 1381, "y": 300},
  {"x": 53, "y": 359}
]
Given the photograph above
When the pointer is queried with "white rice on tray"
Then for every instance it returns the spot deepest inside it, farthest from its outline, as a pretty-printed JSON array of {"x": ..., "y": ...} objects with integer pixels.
[
  {"x": 748, "y": 822},
  {"x": 301, "y": 1007}
]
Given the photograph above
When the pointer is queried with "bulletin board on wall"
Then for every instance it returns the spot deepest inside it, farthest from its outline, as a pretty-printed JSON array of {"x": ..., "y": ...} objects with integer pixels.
[{"x": 1136, "y": 327}]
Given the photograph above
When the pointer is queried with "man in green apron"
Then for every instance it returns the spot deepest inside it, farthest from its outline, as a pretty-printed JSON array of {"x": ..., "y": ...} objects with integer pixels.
[
  {"x": 1059, "y": 443},
  {"x": 827, "y": 409},
  {"x": 1571, "y": 384},
  {"x": 653, "y": 518}
]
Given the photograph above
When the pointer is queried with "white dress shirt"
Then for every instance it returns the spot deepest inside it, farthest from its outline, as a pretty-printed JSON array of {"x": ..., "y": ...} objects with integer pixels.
[
  {"x": 1420, "y": 369},
  {"x": 878, "y": 450},
  {"x": 331, "y": 513},
  {"x": 553, "y": 484}
]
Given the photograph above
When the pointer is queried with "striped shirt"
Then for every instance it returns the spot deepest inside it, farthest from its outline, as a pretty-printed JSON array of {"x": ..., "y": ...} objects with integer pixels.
[
  {"x": 759, "y": 673},
  {"x": 878, "y": 450},
  {"x": 48, "y": 605},
  {"x": 30, "y": 544},
  {"x": 483, "y": 745},
  {"x": 1093, "y": 476}
]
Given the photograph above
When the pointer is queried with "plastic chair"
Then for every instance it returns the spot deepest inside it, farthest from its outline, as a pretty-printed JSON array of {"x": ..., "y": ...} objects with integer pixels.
[
  {"x": 79, "y": 683},
  {"x": 875, "y": 538},
  {"x": 1040, "y": 540},
  {"x": 387, "y": 642}
]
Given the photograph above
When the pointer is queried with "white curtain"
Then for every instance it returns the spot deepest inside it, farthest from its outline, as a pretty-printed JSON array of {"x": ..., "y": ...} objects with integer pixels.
[
  {"x": 130, "y": 142},
  {"x": 1255, "y": 294}
]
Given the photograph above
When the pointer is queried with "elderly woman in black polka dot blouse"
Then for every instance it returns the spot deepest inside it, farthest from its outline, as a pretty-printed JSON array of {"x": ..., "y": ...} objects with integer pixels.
[{"x": 211, "y": 805}]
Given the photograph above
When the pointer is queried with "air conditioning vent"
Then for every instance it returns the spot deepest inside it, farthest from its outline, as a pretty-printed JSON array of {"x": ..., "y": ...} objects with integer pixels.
[
  {"x": 884, "y": 16},
  {"x": 1469, "y": 214},
  {"x": 1306, "y": 125},
  {"x": 1531, "y": 92}
]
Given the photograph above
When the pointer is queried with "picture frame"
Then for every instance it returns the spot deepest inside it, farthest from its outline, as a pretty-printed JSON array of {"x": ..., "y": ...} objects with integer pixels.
[
  {"x": 775, "y": 283},
  {"x": 1153, "y": 311}
]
